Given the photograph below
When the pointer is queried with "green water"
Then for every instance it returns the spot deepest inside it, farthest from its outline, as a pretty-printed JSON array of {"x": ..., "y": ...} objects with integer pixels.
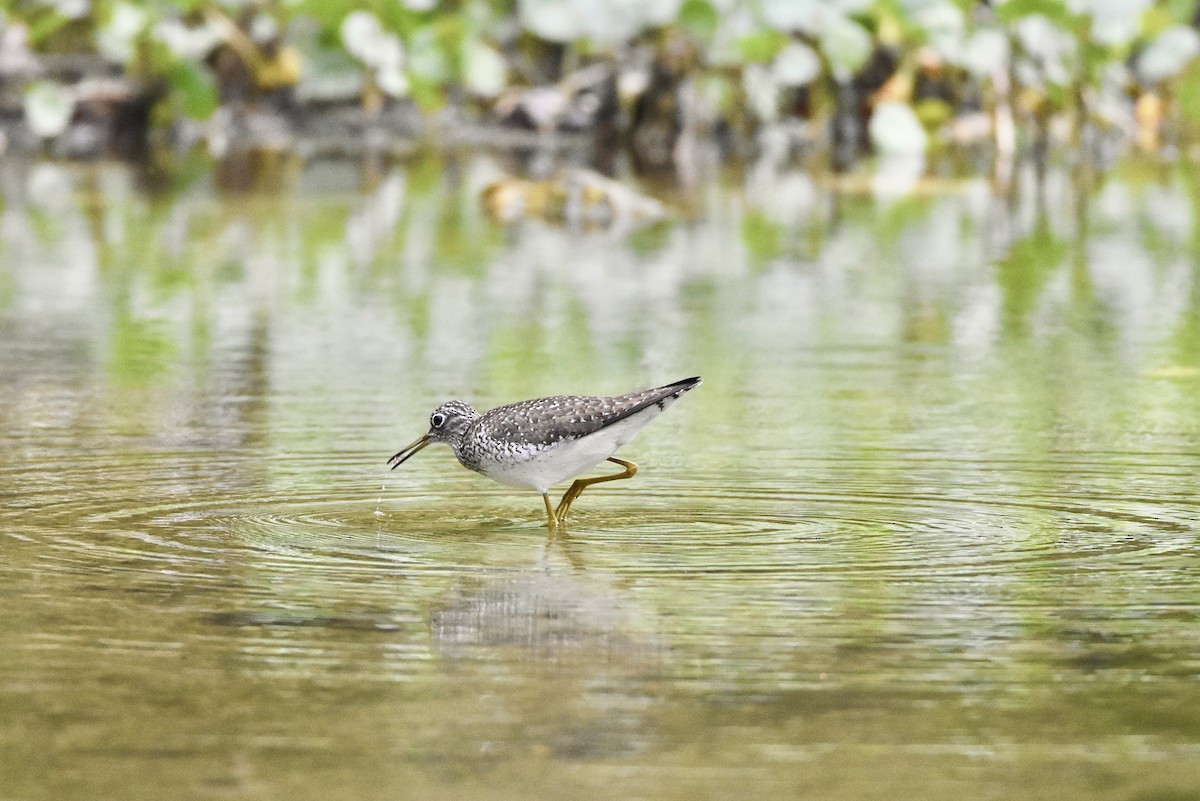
[{"x": 929, "y": 530}]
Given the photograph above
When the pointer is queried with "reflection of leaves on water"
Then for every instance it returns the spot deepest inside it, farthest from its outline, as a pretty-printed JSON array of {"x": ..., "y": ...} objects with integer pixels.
[
  {"x": 300, "y": 618},
  {"x": 550, "y": 614},
  {"x": 1130, "y": 658},
  {"x": 141, "y": 350}
]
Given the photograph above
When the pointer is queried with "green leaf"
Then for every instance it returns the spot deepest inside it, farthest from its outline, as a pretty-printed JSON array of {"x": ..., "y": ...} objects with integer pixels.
[
  {"x": 761, "y": 47},
  {"x": 1180, "y": 11},
  {"x": 1054, "y": 10},
  {"x": 485, "y": 71},
  {"x": 427, "y": 57},
  {"x": 762, "y": 237},
  {"x": 194, "y": 89},
  {"x": 45, "y": 26},
  {"x": 1168, "y": 54},
  {"x": 426, "y": 93},
  {"x": 846, "y": 45},
  {"x": 698, "y": 18},
  {"x": 48, "y": 108},
  {"x": 1189, "y": 91},
  {"x": 329, "y": 13}
]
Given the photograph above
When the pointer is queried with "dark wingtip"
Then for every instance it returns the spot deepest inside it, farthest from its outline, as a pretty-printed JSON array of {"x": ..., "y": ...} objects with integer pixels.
[{"x": 679, "y": 387}]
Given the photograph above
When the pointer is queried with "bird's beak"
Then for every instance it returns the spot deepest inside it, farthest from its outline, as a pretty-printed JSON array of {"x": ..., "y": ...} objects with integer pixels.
[{"x": 408, "y": 452}]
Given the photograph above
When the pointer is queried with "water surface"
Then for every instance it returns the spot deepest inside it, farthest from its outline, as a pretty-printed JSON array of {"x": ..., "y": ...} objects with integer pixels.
[{"x": 928, "y": 529}]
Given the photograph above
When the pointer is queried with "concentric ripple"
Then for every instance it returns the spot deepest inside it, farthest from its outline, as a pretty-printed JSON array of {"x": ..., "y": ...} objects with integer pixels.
[{"x": 341, "y": 513}]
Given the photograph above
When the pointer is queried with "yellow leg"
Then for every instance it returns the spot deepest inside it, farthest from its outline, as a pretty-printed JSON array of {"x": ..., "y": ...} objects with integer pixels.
[
  {"x": 583, "y": 483},
  {"x": 552, "y": 523}
]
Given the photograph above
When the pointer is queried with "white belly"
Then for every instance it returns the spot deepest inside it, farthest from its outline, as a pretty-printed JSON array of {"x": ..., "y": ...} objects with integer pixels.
[{"x": 542, "y": 469}]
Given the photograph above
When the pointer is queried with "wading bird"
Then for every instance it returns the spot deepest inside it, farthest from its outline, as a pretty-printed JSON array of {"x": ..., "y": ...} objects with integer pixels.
[{"x": 538, "y": 443}]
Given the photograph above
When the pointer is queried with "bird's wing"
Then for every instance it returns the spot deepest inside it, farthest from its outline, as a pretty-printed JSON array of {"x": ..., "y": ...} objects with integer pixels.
[{"x": 544, "y": 421}]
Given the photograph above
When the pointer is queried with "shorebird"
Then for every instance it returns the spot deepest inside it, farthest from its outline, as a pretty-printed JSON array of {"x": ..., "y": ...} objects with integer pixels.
[{"x": 538, "y": 443}]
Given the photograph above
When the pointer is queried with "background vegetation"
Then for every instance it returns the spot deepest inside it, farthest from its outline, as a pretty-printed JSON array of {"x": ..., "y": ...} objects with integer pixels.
[{"x": 884, "y": 75}]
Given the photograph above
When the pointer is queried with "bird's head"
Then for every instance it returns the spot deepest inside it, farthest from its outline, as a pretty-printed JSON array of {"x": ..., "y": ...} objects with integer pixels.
[{"x": 448, "y": 424}]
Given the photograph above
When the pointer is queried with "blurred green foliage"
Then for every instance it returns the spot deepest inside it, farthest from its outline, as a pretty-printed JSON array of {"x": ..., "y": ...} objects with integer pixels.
[{"x": 1083, "y": 56}]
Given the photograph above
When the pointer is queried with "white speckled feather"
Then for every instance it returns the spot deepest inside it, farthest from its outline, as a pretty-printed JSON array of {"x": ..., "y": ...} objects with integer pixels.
[{"x": 540, "y": 468}]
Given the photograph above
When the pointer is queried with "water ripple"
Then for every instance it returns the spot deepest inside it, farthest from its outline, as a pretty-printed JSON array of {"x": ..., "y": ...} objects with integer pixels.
[{"x": 339, "y": 514}]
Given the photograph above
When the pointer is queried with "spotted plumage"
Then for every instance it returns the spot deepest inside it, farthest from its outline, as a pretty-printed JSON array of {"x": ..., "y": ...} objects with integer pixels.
[{"x": 536, "y": 444}]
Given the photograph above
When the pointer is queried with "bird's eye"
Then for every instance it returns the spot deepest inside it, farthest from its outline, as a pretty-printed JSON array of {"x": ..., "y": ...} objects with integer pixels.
[{"x": 437, "y": 420}]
